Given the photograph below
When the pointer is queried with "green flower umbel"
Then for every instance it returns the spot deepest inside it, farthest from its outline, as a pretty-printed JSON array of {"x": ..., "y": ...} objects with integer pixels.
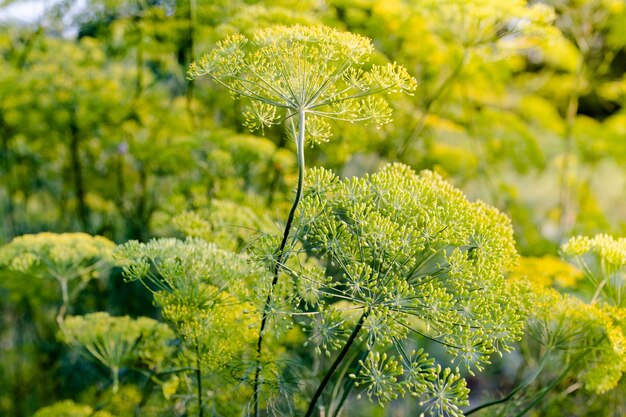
[
  {"x": 413, "y": 259},
  {"x": 285, "y": 71}
]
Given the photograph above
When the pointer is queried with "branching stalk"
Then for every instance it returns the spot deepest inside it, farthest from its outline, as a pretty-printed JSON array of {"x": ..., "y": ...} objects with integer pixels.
[{"x": 280, "y": 255}]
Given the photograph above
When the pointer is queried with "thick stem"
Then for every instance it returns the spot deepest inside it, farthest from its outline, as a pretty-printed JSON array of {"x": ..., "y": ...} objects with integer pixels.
[
  {"x": 77, "y": 172},
  {"x": 335, "y": 365},
  {"x": 280, "y": 255},
  {"x": 199, "y": 382},
  {"x": 115, "y": 371}
]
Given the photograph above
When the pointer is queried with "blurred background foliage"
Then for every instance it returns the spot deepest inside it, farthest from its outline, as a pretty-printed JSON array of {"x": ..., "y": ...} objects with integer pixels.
[{"x": 520, "y": 105}]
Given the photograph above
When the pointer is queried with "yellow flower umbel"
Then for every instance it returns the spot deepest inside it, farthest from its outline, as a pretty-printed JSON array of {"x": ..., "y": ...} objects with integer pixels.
[
  {"x": 547, "y": 270},
  {"x": 205, "y": 294},
  {"x": 65, "y": 257},
  {"x": 589, "y": 338},
  {"x": 69, "y": 408},
  {"x": 315, "y": 72},
  {"x": 479, "y": 23},
  {"x": 117, "y": 342},
  {"x": 583, "y": 336},
  {"x": 410, "y": 257},
  {"x": 603, "y": 259}
]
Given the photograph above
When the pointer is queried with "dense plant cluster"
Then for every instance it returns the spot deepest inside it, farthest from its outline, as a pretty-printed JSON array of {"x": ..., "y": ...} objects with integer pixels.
[{"x": 461, "y": 258}]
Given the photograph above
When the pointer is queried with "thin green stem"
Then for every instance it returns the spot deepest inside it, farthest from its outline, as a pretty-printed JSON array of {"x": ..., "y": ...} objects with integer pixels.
[
  {"x": 545, "y": 391},
  {"x": 336, "y": 363},
  {"x": 349, "y": 386},
  {"x": 514, "y": 391},
  {"x": 66, "y": 301},
  {"x": 280, "y": 255},
  {"x": 443, "y": 87}
]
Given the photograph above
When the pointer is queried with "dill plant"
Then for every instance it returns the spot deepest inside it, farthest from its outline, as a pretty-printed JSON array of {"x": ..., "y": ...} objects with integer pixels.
[
  {"x": 401, "y": 258},
  {"x": 303, "y": 76},
  {"x": 118, "y": 342},
  {"x": 70, "y": 259},
  {"x": 204, "y": 293},
  {"x": 576, "y": 339}
]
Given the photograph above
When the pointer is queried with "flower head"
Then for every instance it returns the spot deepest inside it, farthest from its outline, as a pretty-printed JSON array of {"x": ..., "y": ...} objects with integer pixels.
[{"x": 315, "y": 69}]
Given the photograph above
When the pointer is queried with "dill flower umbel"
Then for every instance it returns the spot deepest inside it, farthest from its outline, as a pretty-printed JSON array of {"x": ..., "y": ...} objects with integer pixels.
[
  {"x": 603, "y": 259},
  {"x": 204, "y": 292},
  {"x": 68, "y": 258},
  {"x": 410, "y": 258},
  {"x": 117, "y": 342},
  {"x": 311, "y": 74},
  {"x": 309, "y": 70}
]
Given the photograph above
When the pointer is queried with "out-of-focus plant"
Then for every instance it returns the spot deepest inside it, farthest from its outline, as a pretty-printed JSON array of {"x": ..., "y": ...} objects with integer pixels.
[
  {"x": 118, "y": 342},
  {"x": 71, "y": 259},
  {"x": 573, "y": 343},
  {"x": 229, "y": 225},
  {"x": 312, "y": 73},
  {"x": 207, "y": 294},
  {"x": 547, "y": 271},
  {"x": 69, "y": 408}
]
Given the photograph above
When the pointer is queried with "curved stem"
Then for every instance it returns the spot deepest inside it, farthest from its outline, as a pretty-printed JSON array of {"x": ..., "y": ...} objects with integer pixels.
[
  {"x": 335, "y": 365},
  {"x": 514, "y": 391},
  {"x": 281, "y": 255},
  {"x": 545, "y": 391}
]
